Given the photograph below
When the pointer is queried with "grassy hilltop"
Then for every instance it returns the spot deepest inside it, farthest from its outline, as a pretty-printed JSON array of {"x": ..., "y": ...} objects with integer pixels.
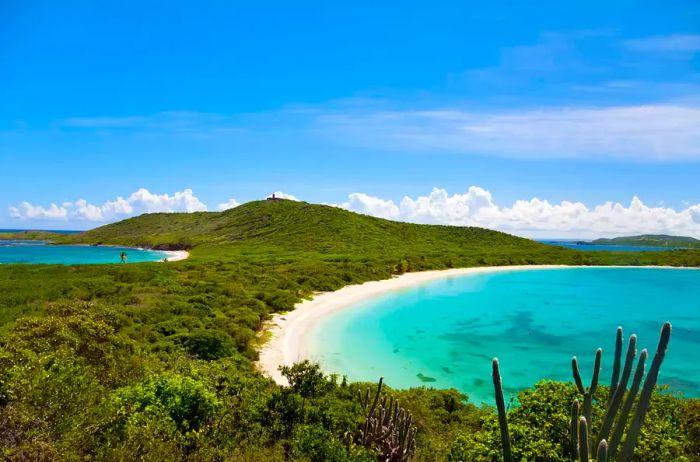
[
  {"x": 154, "y": 361},
  {"x": 284, "y": 227},
  {"x": 300, "y": 227}
]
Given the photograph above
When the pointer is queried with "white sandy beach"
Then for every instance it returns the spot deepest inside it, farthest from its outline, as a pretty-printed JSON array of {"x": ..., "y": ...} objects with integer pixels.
[
  {"x": 176, "y": 255},
  {"x": 287, "y": 344},
  {"x": 288, "y": 331}
]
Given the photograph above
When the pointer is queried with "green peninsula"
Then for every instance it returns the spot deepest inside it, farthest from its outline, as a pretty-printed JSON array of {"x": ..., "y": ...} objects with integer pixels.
[{"x": 651, "y": 240}]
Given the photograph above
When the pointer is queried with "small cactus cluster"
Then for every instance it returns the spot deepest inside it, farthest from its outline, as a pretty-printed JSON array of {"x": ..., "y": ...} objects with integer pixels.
[
  {"x": 388, "y": 427},
  {"x": 619, "y": 405}
]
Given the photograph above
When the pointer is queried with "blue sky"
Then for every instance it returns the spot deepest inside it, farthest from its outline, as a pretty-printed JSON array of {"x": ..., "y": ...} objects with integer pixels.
[{"x": 537, "y": 104}]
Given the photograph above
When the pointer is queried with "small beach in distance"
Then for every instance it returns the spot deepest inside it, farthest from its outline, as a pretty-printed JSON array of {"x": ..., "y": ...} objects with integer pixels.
[{"x": 40, "y": 252}]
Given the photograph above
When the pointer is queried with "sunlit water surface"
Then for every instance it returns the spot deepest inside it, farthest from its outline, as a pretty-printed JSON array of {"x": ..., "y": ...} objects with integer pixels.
[
  {"x": 34, "y": 252},
  {"x": 444, "y": 333}
]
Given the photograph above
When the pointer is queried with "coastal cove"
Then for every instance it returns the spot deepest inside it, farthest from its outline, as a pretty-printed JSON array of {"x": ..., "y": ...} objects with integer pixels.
[
  {"x": 441, "y": 328},
  {"x": 39, "y": 252}
]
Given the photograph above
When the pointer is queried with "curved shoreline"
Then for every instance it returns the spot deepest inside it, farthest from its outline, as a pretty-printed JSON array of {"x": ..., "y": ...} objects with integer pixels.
[
  {"x": 170, "y": 255},
  {"x": 174, "y": 255},
  {"x": 286, "y": 344}
]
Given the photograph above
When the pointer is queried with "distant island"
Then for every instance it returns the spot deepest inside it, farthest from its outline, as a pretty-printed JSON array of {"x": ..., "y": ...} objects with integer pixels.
[
  {"x": 28, "y": 235},
  {"x": 650, "y": 240}
]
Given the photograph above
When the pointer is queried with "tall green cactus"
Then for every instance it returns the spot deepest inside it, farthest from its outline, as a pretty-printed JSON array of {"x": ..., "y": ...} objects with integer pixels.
[
  {"x": 620, "y": 387},
  {"x": 388, "y": 427},
  {"x": 502, "y": 415},
  {"x": 645, "y": 397},
  {"x": 583, "y": 440},
  {"x": 616, "y": 417},
  {"x": 616, "y": 364},
  {"x": 587, "y": 392},
  {"x": 629, "y": 402},
  {"x": 574, "y": 430},
  {"x": 603, "y": 451}
]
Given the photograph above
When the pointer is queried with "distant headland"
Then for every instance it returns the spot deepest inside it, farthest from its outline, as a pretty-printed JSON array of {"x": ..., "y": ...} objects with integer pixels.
[{"x": 650, "y": 240}]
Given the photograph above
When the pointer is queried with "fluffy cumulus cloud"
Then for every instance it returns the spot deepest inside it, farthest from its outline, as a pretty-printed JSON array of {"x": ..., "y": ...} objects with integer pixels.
[
  {"x": 229, "y": 204},
  {"x": 534, "y": 217},
  {"x": 370, "y": 205},
  {"x": 30, "y": 211},
  {"x": 141, "y": 201},
  {"x": 283, "y": 195},
  {"x": 695, "y": 213}
]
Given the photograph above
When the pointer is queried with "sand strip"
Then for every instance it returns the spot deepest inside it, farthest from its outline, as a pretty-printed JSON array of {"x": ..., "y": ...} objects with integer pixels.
[{"x": 175, "y": 255}]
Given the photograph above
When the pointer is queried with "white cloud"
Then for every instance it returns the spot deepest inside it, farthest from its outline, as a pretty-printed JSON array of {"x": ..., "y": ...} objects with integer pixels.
[
  {"x": 695, "y": 213},
  {"x": 661, "y": 131},
  {"x": 229, "y": 204},
  {"x": 183, "y": 201},
  {"x": 534, "y": 217},
  {"x": 141, "y": 201},
  {"x": 27, "y": 210},
  {"x": 638, "y": 133},
  {"x": 370, "y": 205},
  {"x": 685, "y": 43},
  {"x": 282, "y": 195}
]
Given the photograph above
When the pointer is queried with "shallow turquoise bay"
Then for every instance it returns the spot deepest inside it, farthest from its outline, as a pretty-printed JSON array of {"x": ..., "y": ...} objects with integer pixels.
[
  {"x": 30, "y": 252},
  {"x": 444, "y": 333}
]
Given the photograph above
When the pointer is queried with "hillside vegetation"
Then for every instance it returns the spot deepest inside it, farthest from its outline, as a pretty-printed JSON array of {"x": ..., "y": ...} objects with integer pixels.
[
  {"x": 28, "y": 235},
  {"x": 299, "y": 226},
  {"x": 652, "y": 240},
  {"x": 154, "y": 361}
]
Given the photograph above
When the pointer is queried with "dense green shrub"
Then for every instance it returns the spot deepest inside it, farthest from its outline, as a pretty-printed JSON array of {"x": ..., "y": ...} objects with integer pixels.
[
  {"x": 318, "y": 444},
  {"x": 209, "y": 344},
  {"x": 188, "y": 403}
]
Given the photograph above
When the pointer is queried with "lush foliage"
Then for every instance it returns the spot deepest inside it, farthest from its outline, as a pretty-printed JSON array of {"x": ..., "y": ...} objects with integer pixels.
[
  {"x": 652, "y": 240},
  {"x": 28, "y": 235},
  {"x": 153, "y": 361},
  {"x": 540, "y": 428}
]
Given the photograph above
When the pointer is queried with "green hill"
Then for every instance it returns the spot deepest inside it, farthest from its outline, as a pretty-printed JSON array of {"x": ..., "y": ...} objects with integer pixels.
[
  {"x": 652, "y": 240},
  {"x": 285, "y": 225}
]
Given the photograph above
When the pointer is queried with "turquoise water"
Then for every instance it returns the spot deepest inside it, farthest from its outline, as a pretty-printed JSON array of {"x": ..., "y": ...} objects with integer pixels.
[
  {"x": 444, "y": 333},
  {"x": 59, "y": 231},
  {"x": 37, "y": 252},
  {"x": 579, "y": 245}
]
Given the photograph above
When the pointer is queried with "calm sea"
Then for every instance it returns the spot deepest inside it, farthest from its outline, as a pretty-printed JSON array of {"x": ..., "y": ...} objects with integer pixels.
[
  {"x": 38, "y": 252},
  {"x": 445, "y": 333},
  {"x": 59, "y": 231},
  {"x": 583, "y": 245}
]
